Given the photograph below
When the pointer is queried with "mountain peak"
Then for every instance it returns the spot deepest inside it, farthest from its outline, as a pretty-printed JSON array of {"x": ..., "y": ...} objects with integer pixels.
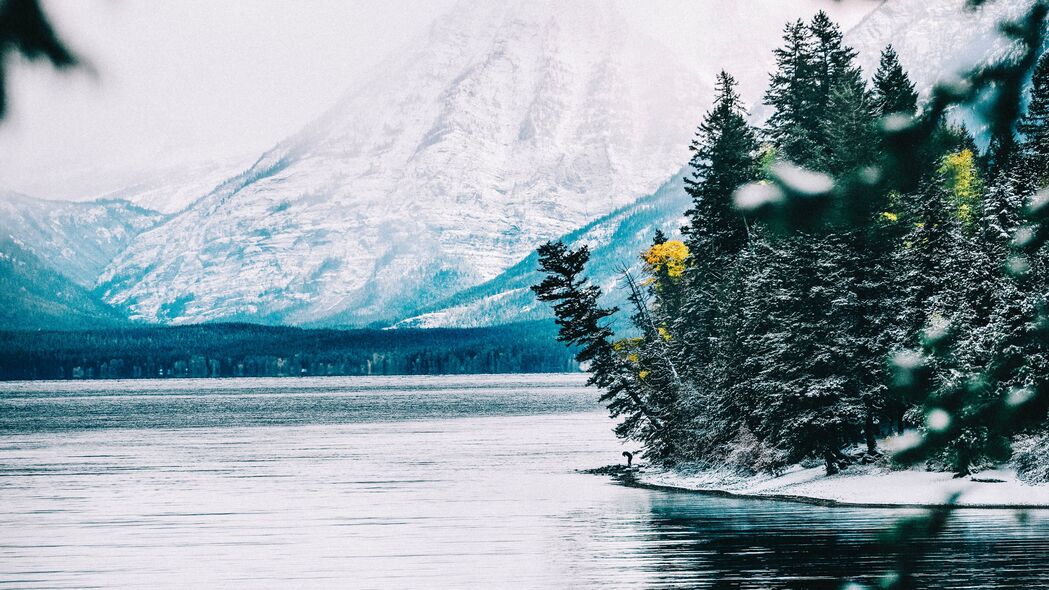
[{"x": 513, "y": 123}]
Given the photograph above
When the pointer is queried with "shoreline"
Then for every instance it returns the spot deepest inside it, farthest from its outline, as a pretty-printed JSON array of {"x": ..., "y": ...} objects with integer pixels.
[{"x": 864, "y": 487}]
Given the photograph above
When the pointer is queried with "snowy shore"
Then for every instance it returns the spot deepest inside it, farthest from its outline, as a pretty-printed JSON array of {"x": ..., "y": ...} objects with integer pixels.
[{"x": 857, "y": 486}]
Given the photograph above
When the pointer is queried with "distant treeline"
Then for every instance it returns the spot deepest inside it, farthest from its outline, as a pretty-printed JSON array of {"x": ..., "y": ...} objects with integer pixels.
[{"x": 248, "y": 350}]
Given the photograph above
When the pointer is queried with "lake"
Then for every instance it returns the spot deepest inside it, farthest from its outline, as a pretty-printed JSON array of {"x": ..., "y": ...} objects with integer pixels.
[{"x": 408, "y": 482}]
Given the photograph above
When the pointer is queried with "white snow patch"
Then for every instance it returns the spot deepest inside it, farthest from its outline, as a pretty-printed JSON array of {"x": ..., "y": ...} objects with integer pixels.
[{"x": 862, "y": 485}]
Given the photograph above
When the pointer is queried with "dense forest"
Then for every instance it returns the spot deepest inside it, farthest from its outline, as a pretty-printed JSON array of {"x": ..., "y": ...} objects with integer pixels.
[
  {"x": 248, "y": 350},
  {"x": 856, "y": 267}
]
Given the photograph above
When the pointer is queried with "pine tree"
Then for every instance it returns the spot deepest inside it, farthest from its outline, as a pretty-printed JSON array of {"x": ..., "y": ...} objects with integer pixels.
[
  {"x": 831, "y": 62},
  {"x": 832, "y": 58},
  {"x": 926, "y": 257},
  {"x": 849, "y": 125},
  {"x": 747, "y": 369},
  {"x": 724, "y": 158},
  {"x": 809, "y": 66},
  {"x": 583, "y": 323},
  {"x": 893, "y": 90},
  {"x": 580, "y": 320},
  {"x": 988, "y": 291},
  {"x": 791, "y": 90},
  {"x": 867, "y": 251},
  {"x": 1034, "y": 130},
  {"x": 805, "y": 398}
]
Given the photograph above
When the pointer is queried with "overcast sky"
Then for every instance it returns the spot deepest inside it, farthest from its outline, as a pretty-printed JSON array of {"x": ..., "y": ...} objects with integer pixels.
[{"x": 194, "y": 80}]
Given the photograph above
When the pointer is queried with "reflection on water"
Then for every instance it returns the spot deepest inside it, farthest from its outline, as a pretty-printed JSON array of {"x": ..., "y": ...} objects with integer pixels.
[
  {"x": 726, "y": 543},
  {"x": 340, "y": 483}
]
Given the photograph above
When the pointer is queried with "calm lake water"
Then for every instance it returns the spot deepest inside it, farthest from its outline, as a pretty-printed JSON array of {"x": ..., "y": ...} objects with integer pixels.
[{"x": 407, "y": 482}]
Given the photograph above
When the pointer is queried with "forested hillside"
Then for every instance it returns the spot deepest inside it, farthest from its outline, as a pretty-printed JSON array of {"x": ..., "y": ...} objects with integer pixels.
[
  {"x": 857, "y": 267},
  {"x": 247, "y": 350},
  {"x": 33, "y": 294}
]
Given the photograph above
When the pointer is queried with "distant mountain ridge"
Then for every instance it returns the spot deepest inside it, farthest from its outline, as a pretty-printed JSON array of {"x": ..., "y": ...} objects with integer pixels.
[{"x": 77, "y": 239}]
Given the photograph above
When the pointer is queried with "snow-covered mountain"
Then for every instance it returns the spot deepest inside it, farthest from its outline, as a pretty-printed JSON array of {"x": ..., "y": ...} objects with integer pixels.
[
  {"x": 77, "y": 240},
  {"x": 419, "y": 198},
  {"x": 513, "y": 123}
]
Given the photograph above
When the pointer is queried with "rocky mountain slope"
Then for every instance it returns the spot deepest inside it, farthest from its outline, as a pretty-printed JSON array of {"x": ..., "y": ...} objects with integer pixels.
[
  {"x": 934, "y": 39},
  {"x": 174, "y": 188},
  {"x": 513, "y": 123},
  {"x": 615, "y": 241},
  {"x": 77, "y": 240}
]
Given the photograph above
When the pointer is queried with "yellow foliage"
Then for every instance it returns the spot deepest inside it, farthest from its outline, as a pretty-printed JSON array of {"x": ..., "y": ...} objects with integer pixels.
[
  {"x": 963, "y": 180},
  {"x": 643, "y": 374},
  {"x": 667, "y": 257},
  {"x": 890, "y": 216},
  {"x": 632, "y": 357},
  {"x": 626, "y": 344},
  {"x": 664, "y": 333}
]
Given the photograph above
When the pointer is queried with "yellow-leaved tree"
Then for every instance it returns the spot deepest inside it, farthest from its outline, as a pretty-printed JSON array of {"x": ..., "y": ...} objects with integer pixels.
[{"x": 959, "y": 170}]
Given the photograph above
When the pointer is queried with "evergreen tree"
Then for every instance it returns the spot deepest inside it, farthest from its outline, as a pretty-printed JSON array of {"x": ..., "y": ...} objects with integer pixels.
[
  {"x": 836, "y": 126},
  {"x": 804, "y": 394},
  {"x": 724, "y": 158},
  {"x": 893, "y": 90},
  {"x": 758, "y": 348},
  {"x": 809, "y": 67},
  {"x": 988, "y": 292},
  {"x": 791, "y": 91},
  {"x": 582, "y": 322},
  {"x": 725, "y": 415},
  {"x": 752, "y": 387},
  {"x": 1034, "y": 132},
  {"x": 831, "y": 62},
  {"x": 925, "y": 257},
  {"x": 849, "y": 125}
]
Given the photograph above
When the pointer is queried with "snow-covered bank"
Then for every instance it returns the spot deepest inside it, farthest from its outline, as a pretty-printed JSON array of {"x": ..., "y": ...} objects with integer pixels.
[{"x": 861, "y": 485}]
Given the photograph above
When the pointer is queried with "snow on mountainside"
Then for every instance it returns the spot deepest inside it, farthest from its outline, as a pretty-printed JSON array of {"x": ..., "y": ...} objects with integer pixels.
[
  {"x": 167, "y": 185},
  {"x": 76, "y": 239},
  {"x": 935, "y": 39},
  {"x": 513, "y": 123},
  {"x": 176, "y": 187},
  {"x": 615, "y": 241}
]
